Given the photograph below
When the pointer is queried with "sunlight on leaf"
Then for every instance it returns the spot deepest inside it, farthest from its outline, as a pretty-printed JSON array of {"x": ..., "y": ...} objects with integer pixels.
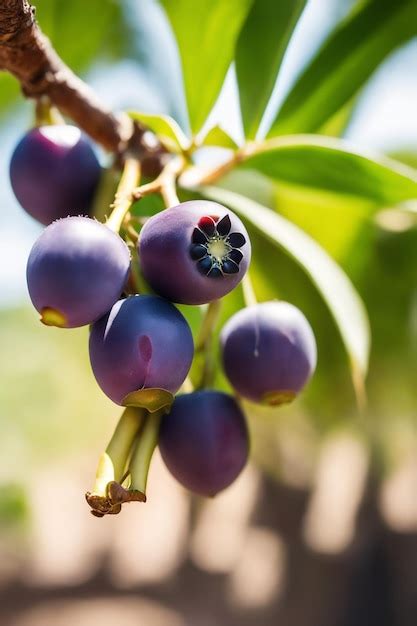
[
  {"x": 206, "y": 32},
  {"x": 216, "y": 136},
  {"x": 259, "y": 53},
  {"x": 333, "y": 165},
  {"x": 344, "y": 63},
  {"x": 165, "y": 127}
]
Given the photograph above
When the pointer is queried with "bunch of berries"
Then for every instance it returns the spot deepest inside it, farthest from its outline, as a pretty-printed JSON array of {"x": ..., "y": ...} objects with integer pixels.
[{"x": 141, "y": 346}]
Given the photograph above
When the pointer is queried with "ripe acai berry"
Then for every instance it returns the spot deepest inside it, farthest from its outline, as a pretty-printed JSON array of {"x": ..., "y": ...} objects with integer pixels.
[
  {"x": 204, "y": 441},
  {"x": 195, "y": 252},
  {"x": 54, "y": 173},
  {"x": 269, "y": 352},
  {"x": 144, "y": 342},
  {"x": 76, "y": 271}
]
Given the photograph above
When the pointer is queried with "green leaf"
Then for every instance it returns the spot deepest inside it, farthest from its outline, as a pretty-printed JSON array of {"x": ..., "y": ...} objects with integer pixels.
[
  {"x": 344, "y": 63},
  {"x": 216, "y": 136},
  {"x": 149, "y": 42},
  {"x": 206, "y": 33},
  {"x": 337, "y": 124},
  {"x": 260, "y": 49},
  {"x": 329, "y": 164},
  {"x": 335, "y": 287},
  {"x": 165, "y": 127},
  {"x": 82, "y": 32}
]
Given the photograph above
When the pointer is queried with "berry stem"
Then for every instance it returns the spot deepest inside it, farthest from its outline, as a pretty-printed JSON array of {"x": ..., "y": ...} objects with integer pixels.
[
  {"x": 164, "y": 184},
  {"x": 138, "y": 281},
  {"x": 112, "y": 463},
  {"x": 143, "y": 451},
  {"x": 168, "y": 182},
  {"x": 208, "y": 324},
  {"x": 204, "y": 343},
  {"x": 124, "y": 194},
  {"x": 169, "y": 195},
  {"x": 46, "y": 114},
  {"x": 195, "y": 177},
  {"x": 249, "y": 294},
  {"x": 105, "y": 193}
]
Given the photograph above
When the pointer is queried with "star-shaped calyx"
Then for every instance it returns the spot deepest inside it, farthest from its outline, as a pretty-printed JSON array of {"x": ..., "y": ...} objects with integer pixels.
[{"x": 214, "y": 248}]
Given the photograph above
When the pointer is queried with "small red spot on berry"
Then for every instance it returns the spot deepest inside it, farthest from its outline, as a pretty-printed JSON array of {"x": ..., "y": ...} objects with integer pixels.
[{"x": 207, "y": 225}]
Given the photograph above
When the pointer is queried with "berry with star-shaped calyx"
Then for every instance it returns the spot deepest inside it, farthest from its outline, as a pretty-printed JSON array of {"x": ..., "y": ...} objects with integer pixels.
[{"x": 195, "y": 252}]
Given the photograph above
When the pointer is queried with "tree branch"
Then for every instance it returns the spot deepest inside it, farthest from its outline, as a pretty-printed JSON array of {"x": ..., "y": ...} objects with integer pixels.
[{"x": 27, "y": 54}]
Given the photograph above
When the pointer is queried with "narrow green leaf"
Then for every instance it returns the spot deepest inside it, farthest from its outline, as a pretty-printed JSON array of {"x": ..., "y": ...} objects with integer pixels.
[
  {"x": 206, "y": 33},
  {"x": 165, "y": 127},
  {"x": 345, "y": 62},
  {"x": 216, "y": 136},
  {"x": 337, "y": 124},
  {"x": 330, "y": 164},
  {"x": 260, "y": 49},
  {"x": 335, "y": 287}
]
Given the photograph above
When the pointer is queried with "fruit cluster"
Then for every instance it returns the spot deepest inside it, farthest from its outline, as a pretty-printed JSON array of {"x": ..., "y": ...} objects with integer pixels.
[{"x": 141, "y": 346}]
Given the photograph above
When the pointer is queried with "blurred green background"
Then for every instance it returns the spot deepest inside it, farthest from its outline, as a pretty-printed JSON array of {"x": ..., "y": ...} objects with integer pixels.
[{"x": 321, "y": 528}]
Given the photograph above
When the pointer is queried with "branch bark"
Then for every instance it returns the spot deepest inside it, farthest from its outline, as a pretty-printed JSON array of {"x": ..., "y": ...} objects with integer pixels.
[{"x": 28, "y": 54}]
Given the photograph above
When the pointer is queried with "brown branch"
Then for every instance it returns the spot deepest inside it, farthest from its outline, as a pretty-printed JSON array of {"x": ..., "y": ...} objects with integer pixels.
[{"x": 26, "y": 53}]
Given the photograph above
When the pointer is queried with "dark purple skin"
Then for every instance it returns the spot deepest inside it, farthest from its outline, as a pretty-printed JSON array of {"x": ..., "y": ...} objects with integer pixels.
[
  {"x": 174, "y": 246},
  {"x": 144, "y": 342},
  {"x": 204, "y": 441},
  {"x": 269, "y": 352},
  {"x": 77, "y": 268},
  {"x": 54, "y": 173}
]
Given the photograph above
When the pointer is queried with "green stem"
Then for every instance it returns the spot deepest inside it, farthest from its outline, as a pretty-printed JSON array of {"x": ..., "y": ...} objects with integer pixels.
[
  {"x": 168, "y": 179},
  {"x": 113, "y": 461},
  {"x": 139, "y": 282},
  {"x": 143, "y": 452},
  {"x": 46, "y": 114},
  {"x": 105, "y": 193},
  {"x": 169, "y": 194},
  {"x": 124, "y": 194},
  {"x": 209, "y": 322},
  {"x": 164, "y": 184},
  {"x": 249, "y": 295},
  {"x": 204, "y": 343}
]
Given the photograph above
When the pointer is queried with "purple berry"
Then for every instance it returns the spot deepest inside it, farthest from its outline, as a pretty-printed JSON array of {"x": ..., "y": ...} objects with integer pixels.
[
  {"x": 54, "y": 172},
  {"x": 144, "y": 342},
  {"x": 195, "y": 252},
  {"x": 76, "y": 271},
  {"x": 269, "y": 352},
  {"x": 204, "y": 441}
]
